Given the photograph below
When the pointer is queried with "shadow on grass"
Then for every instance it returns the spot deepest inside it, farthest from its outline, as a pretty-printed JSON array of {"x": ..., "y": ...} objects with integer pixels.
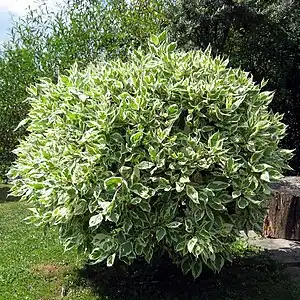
[{"x": 256, "y": 278}]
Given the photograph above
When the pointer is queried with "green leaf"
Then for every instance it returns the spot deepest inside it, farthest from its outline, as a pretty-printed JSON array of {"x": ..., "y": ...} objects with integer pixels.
[
  {"x": 192, "y": 193},
  {"x": 203, "y": 196},
  {"x": 199, "y": 214},
  {"x": 144, "y": 165},
  {"x": 153, "y": 49},
  {"x": 171, "y": 47},
  {"x": 110, "y": 260},
  {"x": 219, "y": 262},
  {"x": 196, "y": 268},
  {"x": 185, "y": 265},
  {"x": 95, "y": 220},
  {"x": 191, "y": 244},
  {"x": 100, "y": 238},
  {"x": 112, "y": 183},
  {"x": 218, "y": 185},
  {"x": 145, "y": 206},
  {"x": 216, "y": 206},
  {"x": 256, "y": 156},
  {"x": 81, "y": 208},
  {"x": 180, "y": 246},
  {"x": 237, "y": 103},
  {"x": 210, "y": 214},
  {"x": 135, "y": 176},
  {"x": 154, "y": 39},
  {"x": 153, "y": 153},
  {"x": 148, "y": 253},
  {"x": 214, "y": 140},
  {"x": 125, "y": 249},
  {"x": 227, "y": 228},
  {"x": 160, "y": 233},
  {"x": 230, "y": 164},
  {"x": 188, "y": 225},
  {"x": 173, "y": 109},
  {"x": 164, "y": 184},
  {"x": 125, "y": 171},
  {"x": 127, "y": 225},
  {"x": 139, "y": 247},
  {"x": 242, "y": 203},
  {"x": 163, "y": 36},
  {"x": 97, "y": 255},
  {"x": 137, "y": 137}
]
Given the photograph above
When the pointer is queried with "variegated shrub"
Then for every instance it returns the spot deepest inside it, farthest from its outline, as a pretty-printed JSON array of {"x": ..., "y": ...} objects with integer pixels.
[{"x": 168, "y": 151}]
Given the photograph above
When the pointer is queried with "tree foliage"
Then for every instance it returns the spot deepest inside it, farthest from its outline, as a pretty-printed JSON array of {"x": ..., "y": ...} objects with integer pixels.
[
  {"x": 260, "y": 36},
  {"x": 44, "y": 44},
  {"x": 169, "y": 151}
]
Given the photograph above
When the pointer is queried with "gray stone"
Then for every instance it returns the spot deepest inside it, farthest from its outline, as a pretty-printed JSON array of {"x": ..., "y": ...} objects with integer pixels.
[
  {"x": 283, "y": 251},
  {"x": 287, "y": 185}
]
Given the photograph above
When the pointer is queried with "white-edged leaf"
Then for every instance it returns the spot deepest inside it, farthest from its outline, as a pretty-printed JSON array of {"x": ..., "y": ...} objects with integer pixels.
[
  {"x": 144, "y": 165},
  {"x": 125, "y": 171},
  {"x": 141, "y": 190},
  {"x": 112, "y": 183},
  {"x": 174, "y": 224},
  {"x": 22, "y": 123},
  {"x": 192, "y": 193},
  {"x": 236, "y": 194},
  {"x": 110, "y": 260},
  {"x": 214, "y": 140},
  {"x": 210, "y": 214},
  {"x": 242, "y": 203},
  {"x": 218, "y": 185},
  {"x": 95, "y": 220},
  {"x": 184, "y": 179},
  {"x": 179, "y": 187},
  {"x": 160, "y": 233},
  {"x": 265, "y": 176},
  {"x": 191, "y": 244},
  {"x": 135, "y": 138},
  {"x": 163, "y": 36},
  {"x": 100, "y": 238},
  {"x": 154, "y": 39}
]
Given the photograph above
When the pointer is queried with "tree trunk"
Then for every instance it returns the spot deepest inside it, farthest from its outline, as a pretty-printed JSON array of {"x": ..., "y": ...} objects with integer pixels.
[{"x": 283, "y": 217}]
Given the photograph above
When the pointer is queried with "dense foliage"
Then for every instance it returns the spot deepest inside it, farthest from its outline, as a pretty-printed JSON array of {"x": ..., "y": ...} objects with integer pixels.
[
  {"x": 169, "y": 151},
  {"x": 260, "y": 36},
  {"x": 45, "y": 43}
]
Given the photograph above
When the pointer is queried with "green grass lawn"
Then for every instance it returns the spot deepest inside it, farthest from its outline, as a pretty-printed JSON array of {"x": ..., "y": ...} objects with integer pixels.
[{"x": 34, "y": 266}]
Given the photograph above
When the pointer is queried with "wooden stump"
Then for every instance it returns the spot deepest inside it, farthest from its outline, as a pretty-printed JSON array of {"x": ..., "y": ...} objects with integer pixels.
[{"x": 283, "y": 217}]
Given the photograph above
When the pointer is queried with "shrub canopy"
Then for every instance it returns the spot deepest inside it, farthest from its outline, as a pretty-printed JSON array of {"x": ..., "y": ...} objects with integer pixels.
[
  {"x": 169, "y": 151},
  {"x": 45, "y": 43}
]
